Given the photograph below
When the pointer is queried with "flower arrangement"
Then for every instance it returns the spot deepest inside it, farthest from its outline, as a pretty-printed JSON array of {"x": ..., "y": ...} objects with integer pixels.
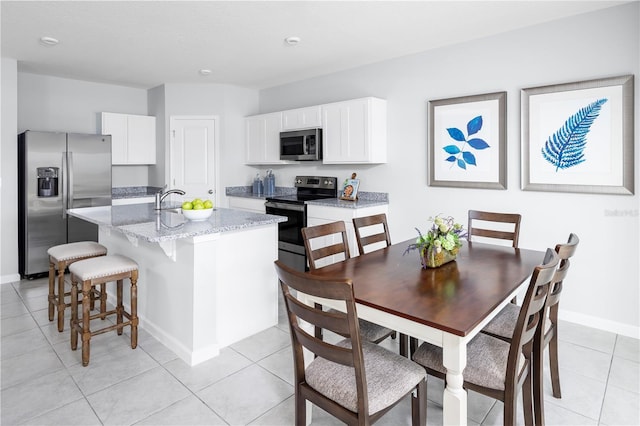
[{"x": 441, "y": 244}]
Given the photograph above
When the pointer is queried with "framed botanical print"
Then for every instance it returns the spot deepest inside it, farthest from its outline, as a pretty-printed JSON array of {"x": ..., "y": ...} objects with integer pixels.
[
  {"x": 578, "y": 137},
  {"x": 467, "y": 141}
]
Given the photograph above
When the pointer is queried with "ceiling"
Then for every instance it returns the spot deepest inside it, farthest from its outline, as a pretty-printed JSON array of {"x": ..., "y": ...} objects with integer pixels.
[{"x": 147, "y": 43}]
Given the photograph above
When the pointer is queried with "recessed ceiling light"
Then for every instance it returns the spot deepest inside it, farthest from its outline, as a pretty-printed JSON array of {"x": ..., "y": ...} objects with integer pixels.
[
  {"x": 49, "y": 41},
  {"x": 205, "y": 71},
  {"x": 292, "y": 41}
]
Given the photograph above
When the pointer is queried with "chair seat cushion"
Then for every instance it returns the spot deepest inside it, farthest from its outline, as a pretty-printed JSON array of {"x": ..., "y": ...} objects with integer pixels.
[
  {"x": 389, "y": 377},
  {"x": 504, "y": 323},
  {"x": 104, "y": 266},
  {"x": 76, "y": 250},
  {"x": 486, "y": 361},
  {"x": 371, "y": 332}
]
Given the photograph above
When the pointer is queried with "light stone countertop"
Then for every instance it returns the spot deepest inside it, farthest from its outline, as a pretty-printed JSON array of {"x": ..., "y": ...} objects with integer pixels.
[
  {"x": 123, "y": 192},
  {"x": 143, "y": 222}
]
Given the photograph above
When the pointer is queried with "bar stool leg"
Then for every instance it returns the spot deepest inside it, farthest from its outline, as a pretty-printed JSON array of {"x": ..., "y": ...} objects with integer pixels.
[
  {"x": 61, "y": 304},
  {"x": 134, "y": 309},
  {"x": 119, "y": 308},
  {"x": 74, "y": 314},
  {"x": 52, "y": 278},
  {"x": 86, "y": 313},
  {"x": 103, "y": 300}
]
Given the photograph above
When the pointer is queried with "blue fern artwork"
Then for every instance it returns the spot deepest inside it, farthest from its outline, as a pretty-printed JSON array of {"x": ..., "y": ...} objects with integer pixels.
[
  {"x": 461, "y": 155},
  {"x": 565, "y": 148}
]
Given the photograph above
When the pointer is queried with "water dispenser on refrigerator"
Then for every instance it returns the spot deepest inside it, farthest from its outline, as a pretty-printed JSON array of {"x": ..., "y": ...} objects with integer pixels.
[{"x": 47, "y": 181}]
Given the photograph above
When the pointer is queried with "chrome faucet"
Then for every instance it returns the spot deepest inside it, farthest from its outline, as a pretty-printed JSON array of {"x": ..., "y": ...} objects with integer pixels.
[{"x": 160, "y": 196}]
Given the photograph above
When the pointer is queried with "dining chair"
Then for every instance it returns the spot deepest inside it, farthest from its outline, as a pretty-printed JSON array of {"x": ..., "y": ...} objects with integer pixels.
[
  {"x": 502, "y": 326},
  {"x": 492, "y": 225},
  {"x": 499, "y": 369},
  {"x": 350, "y": 379},
  {"x": 500, "y": 226},
  {"x": 330, "y": 240},
  {"x": 372, "y": 232},
  {"x": 370, "y": 224}
]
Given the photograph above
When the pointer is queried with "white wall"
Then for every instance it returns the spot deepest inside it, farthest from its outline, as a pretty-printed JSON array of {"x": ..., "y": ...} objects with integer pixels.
[
  {"x": 9, "y": 172},
  {"x": 156, "y": 107},
  {"x": 602, "y": 287},
  {"x": 48, "y": 103}
]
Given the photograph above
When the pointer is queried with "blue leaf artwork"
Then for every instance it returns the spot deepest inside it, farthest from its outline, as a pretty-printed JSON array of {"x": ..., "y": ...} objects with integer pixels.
[
  {"x": 565, "y": 148},
  {"x": 460, "y": 156}
]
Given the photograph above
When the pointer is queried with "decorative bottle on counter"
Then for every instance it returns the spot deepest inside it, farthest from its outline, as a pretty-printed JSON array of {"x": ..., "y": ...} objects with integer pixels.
[
  {"x": 269, "y": 183},
  {"x": 258, "y": 185}
]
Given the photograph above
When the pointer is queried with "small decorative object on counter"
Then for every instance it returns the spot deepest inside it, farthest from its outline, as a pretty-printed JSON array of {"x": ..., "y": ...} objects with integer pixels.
[
  {"x": 441, "y": 244},
  {"x": 197, "y": 209},
  {"x": 269, "y": 183},
  {"x": 350, "y": 189},
  {"x": 258, "y": 186}
]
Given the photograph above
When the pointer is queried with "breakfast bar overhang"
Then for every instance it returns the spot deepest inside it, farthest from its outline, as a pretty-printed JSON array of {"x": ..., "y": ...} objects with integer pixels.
[{"x": 203, "y": 285}]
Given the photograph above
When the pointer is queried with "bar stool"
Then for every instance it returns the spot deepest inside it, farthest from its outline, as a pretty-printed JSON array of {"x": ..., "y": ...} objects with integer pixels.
[
  {"x": 60, "y": 257},
  {"x": 101, "y": 270}
]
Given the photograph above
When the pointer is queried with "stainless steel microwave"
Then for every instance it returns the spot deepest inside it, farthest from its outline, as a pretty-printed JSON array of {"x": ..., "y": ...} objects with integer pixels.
[{"x": 301, "y": 145}]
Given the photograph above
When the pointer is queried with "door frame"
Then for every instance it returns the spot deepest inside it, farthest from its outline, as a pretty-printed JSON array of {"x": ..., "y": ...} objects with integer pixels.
[{"x": 216, "y": 149}]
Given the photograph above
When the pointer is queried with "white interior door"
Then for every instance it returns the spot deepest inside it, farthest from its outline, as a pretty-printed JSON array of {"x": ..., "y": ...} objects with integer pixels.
[{"x": 193, "y": 156}]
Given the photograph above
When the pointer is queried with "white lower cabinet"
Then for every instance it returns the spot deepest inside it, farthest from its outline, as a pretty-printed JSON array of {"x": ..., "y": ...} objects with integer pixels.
[
  {"x": 318, "y": 215},
  {"x": 136, "y": 200},
  {"x": 250, "y": 204}
]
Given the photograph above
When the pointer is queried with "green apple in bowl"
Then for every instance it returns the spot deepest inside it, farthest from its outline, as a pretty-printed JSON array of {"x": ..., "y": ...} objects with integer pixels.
[{"x": 197, "y": 209}]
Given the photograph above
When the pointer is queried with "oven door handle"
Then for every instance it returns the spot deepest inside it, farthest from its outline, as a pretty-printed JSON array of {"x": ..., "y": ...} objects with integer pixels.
[{"x": 285, "y": 206}]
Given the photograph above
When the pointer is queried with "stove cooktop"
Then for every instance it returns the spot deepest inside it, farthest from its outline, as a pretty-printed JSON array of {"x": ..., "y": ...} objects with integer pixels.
[{"x": 310, "y": 188}]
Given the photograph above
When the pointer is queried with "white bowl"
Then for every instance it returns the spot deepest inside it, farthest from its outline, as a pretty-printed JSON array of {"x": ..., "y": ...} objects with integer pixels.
[{"x": 196, "y": 215}]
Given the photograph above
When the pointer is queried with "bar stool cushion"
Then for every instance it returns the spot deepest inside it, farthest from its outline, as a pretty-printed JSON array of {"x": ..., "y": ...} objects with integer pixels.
[
  {"x": 99, "y": 267},
  {"x": 77, "y": 250}
]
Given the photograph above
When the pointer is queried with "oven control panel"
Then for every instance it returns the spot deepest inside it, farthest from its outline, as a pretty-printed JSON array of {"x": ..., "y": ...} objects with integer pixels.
[{"x": 316, "y": 182}]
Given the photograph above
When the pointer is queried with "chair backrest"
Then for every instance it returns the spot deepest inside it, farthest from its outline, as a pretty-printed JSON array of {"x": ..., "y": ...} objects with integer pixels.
[
  {"x": 371, "y": 223},
  {"x": 496, "y": 230},
  {"x": 323, "y": 239},
  {"x": 565, "y": 251},
  {"x": 531, "y": 315},
  {"x": 345, "y": 324}
]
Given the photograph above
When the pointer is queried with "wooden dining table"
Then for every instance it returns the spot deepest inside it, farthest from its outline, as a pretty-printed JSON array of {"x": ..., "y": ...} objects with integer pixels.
[{"x": 446, "y": 306}]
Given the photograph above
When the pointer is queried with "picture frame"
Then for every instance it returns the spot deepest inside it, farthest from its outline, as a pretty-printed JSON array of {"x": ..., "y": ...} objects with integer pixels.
[
  {"x": 467, "y": 141},
  {"x": 349, "y": 190},
  {"x": 600, "y": 159}
]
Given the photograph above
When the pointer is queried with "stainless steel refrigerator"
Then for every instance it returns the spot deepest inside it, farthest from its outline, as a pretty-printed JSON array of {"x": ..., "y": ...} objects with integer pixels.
[{"x": 56, "y": 172}]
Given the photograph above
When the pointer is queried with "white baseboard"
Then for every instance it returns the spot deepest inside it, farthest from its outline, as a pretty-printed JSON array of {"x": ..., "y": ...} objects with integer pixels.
[
  {"x": 600, "y": 324},
  {"x": 8, "y": 279}
]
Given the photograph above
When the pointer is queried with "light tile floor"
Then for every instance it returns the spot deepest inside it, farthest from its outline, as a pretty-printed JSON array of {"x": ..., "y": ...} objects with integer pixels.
[{"x": 43, "y": 382}]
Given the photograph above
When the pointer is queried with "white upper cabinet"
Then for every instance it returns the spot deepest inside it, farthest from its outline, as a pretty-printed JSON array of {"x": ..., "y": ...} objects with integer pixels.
[
  {"x": 355, "y": 131},
  {"x": 263, "y": 138},
  {"x": 301, "y": 118},
  {"x": 133, "y": 138}
]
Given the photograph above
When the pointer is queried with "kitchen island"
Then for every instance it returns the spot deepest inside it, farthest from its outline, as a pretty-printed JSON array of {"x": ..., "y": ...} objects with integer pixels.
[{"x": 203, "y": 285}]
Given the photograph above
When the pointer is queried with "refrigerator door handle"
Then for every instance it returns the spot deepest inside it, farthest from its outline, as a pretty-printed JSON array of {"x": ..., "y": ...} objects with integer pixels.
[
  {"x": 64, "y": 185},
  {"x": 70, "y": 173}
]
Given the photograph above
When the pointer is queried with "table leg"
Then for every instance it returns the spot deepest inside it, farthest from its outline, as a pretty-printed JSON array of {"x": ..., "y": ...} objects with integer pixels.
[{"x": 454, "y": 353}]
